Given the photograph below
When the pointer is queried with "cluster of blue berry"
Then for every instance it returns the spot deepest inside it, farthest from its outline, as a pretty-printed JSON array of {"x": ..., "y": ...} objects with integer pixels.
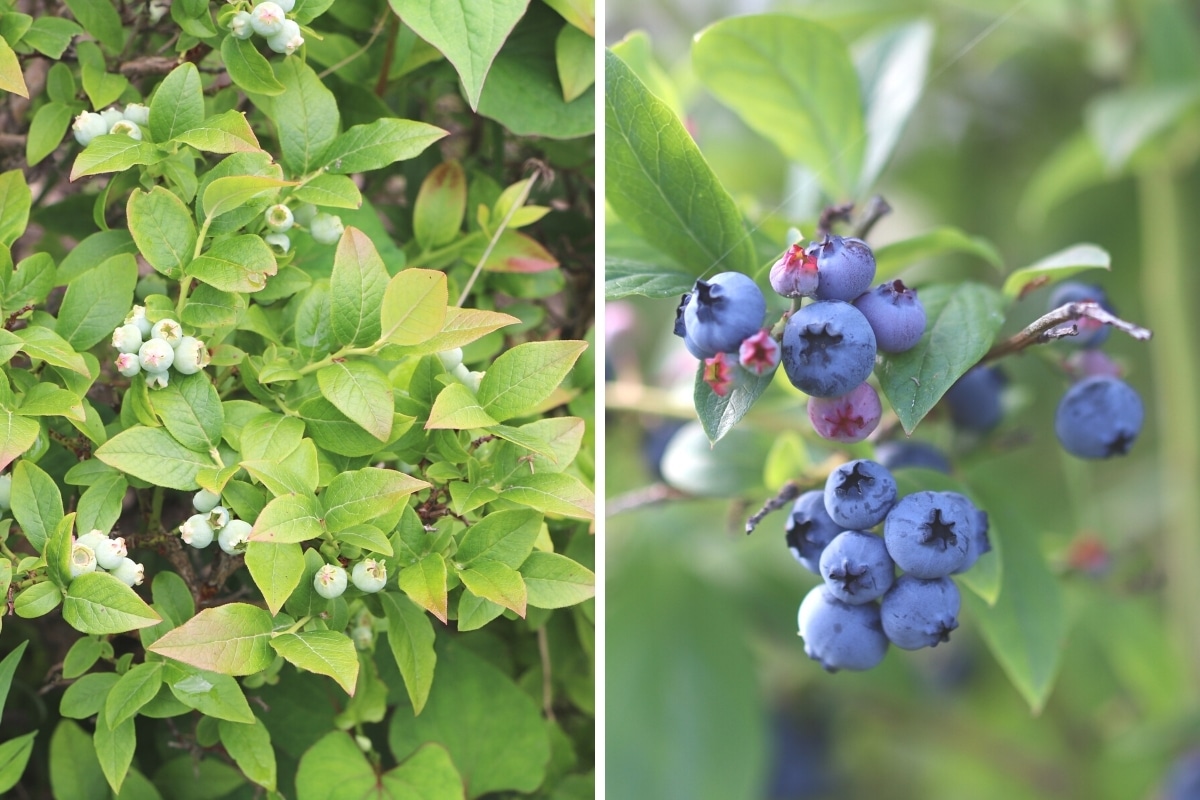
[
  {"x": 848, "y": 621},
  {"x": 1100, "y": 416},
  {"x": 155, "y": 348},
  {"x": 827, "y": 347}
]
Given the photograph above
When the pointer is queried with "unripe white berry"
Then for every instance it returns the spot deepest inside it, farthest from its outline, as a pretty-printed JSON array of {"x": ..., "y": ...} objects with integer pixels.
[
  {"x": 279, "y": 242},
  {"x": 137, "y": 316},
  {"x": 205, "y": 501},
  {"x": 240, "y": 27},
  {"x": 233, "y": 537},
  {"x": 191, "y": 356},
  {"x": 267, "y": 18},
  {"x": 288, "y": 40},
  {"x": 279, "y": 218},
  {"x": 196, "y": 531},
  {"x": 111, "y": 116},
  {"x": 127, "y": 338},
  {"x": 219, "y": 517},
  {"x": 137, "y": 113},
  {"x": 92, "y": 539},
  {"x": 110, "y": 552},
  {"x": 168, "y": 330},
  {"x": 326, "y": 228},
  {"x": 369, "y": 575},
  {"x": 129, "y": 572},
  {"x": 156, "y": 355},
  {"x": 157, "y": 380},
  {"x": 124, "y": 127},
  {"x": 128, "y": 364},
  {"x": 451, "y": 358},
  {"x": 330, "y": 581},
  {"x": 83, "y": 560},
  {"x": 88, "y": 126}
]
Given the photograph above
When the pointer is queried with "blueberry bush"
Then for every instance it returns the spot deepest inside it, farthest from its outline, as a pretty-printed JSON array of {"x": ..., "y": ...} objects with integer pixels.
[
  {"x": 297, "y": 449},
  {"x": 916, "y": 256}
]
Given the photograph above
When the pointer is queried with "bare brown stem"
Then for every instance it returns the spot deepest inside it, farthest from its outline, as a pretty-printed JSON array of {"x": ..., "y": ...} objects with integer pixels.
[{"x": 1057, "y": 324}]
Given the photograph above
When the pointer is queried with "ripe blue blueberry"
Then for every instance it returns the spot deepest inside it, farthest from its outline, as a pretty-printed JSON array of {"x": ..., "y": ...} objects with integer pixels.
[
  {"x": 857, "y": 568},
  {"x": 859, "y": 494},
  {"x": 920, "y": 613},
  {"x": 845, "y": 267},
  {"x": 839, "y": 635},
  {"x": 1091, "y": 333},
  {"x": 978, "y": 542},
  {"x": 927, "y": 534},
  {"x": 369, "y": 575},
  {"x": 330, "y": 581},
  {"x": 722, "y": 311},
  {"x": 849, "y": 418},
  {"x": 895, "y": 315},
  {"x": 974, "y": 399},
  {"x": 912, "y": 453},
  {"x": 810, "y": 529},
  {"x": 828, "y": 348},
  {"x": 1099, "y": 417},
  {"x": 1183, "y": 781}
]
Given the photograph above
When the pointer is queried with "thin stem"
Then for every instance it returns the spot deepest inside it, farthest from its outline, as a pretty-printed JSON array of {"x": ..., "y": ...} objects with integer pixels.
[
  {"x": 378, "y": 29},
  {"x": 341, "y": 355},
  {"x": 547, "y": 684},
  {"x": 518, "y": 203},
  {"x": 1164, "y": 288},
  {"x": 1054, "y": 326},
  {"x": 787, "y": 493},
  {"x": 300, "y": 623}
]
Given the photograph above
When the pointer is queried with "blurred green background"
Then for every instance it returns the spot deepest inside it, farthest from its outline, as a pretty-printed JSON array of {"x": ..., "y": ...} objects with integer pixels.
[{"x": 1041, "y": 124}]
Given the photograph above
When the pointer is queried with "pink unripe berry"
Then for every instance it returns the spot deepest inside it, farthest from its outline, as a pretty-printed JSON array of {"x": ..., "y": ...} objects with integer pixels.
[
  {"x": 795, "y": 273},
  {"x": 759, "y": 353},
  {"x": 848, "y": 418}
]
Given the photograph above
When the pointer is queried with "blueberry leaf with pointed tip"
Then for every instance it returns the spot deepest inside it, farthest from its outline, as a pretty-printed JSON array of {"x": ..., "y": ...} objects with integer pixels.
[
  {"x": 232, "y": 639},
  {"x": 1056, "y": 267},
  {"x": 99, "y": 603},
  {"x": 323, "y": 652}
]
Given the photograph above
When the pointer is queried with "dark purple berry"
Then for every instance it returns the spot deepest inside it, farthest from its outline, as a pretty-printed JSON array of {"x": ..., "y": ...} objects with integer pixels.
[
  {"x": 1099, "y": 417},
  {"x": 895, "y": 314},
  {"x": 845, "y": 267}
]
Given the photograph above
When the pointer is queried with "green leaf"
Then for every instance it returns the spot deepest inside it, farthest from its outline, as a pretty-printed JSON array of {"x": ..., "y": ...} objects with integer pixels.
[
  {"x": 335, "y": 768},
  {"x": 524, "y": 376},
  {"x": 523, "y": 92},
  {"x": 94, "y": 250},
  {"x": 14, "y": 755},
  {"x": 211, "y": 308},
  {"x": 331, "y": 191},
  {"x": 240, "y": 264},
  {"x": 305, "y": 115},
  {"x": 468, "y": 34},
  {"x": 580, "y": 13},
  {"x": 411, "y": 637},
  {"x": 497, "y": 582},
  {"x": 892, "y": 66},
  {"x": 553, "y": 493},
  {"x": 475, "y": 612},
  {"x": 720, "y": 413},
  {"x": 248, "y": 68},
  {"x": 892, "y": 258},
  {"x": 213, "y": 694},
  {"x": 17, "y": 434},
  {"x": 555, "y": 581},
  {"x": 361, "y": 495},
  {"x": 425, "y": 584},
  {"x": 506, "y": 537},
  {"x": 223, "y": 133},
  {"x": 32, "y": 282},
  {"x": 82, "y": 656},
  {"x": 133, "y": 690},
  {"x": 1121, "y": 122},
  {"x": 232, "y": 639},
  {"x": 37, "y": 600},
  {"x": 385, "y": 141},
  {"x": 113, "y": 153},
  {"x": 367, "y": 537},
  {"x": 356, "y": 289},
  {"x": 414, "y": 306},
  {"x": 15, "y": 202},
  {"x": 100, "y": 19},
  {"x": 153, "y": 455},
  {"x": 574, "y": 53},
  {"x": 492, "y": 729},
  {"x": 249, "y": 745},
  {"x": 658, "y": 182},
  {"x": 624, "y": 277},
  {"x": 1027, "y": 627},
  {"x": 46, "y": 131},
  {"x": 440, "y": 206},
  {"x": 99, "y": 603},
  {"x": 36, "y": 502},
  {"x": 100, "y": 505},
  {"x": 45, "y": 344},
  {"x": 97, "y": 302},
  {"x": 74, "y": 770},
  {"x": 233, "y": 191},
  {"x": 191, "y": 411},
  {"x": 323, "y": 652},
  {"x": 51, "y": 36},
  {"x": 102, "y": 87},
  {"x": 276, "y": 570},
  {"x": 8, "y": 668},
  {"x": 289, "y": 519},
  {"x": 962, "y": 323},
  {"x": 462, "y": 326},
  {"x": 361, "y": 392},
  {"x": 558, "y": 441},
  {"x": 58, "y": 551},
  {"x": 1056, "y": 267},
  {"x": 457, "y": 408},
  {"x": 46, "y": 399},
  {"x": 808, "y": 106},
  {"x": 163, "y": 229},
  {"x": 178, "y": 103}
]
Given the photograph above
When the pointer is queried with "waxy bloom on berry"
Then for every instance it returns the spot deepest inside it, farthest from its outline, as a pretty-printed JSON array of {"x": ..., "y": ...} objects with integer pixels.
[{"x": 156, "y": 355}]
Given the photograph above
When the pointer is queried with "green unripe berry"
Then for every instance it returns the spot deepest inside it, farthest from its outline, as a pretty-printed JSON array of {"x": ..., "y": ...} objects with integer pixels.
[
  {"x": 369, "y": 575},
  {"x": 330, "y": 581},
  {"x": 196, "y": 531},
  {"x": 205, "y": 501},
  {"x": 233, "y": 537}
]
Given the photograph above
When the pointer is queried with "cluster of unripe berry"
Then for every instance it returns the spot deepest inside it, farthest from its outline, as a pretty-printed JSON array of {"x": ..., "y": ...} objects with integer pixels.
[
  {"x": 324, "y": 228},
  {"x": 96, "y": 550},
  {"x": 1100, "y": 415},
  {"x": 129, "y": 122},
  {"x": 156, "y": 348},
  {"x": 848, "y": 621},
  {"x": 827, "y": 347},
  {"x": 268, "y": 18},
  {"x": 214, "y": 521}
]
